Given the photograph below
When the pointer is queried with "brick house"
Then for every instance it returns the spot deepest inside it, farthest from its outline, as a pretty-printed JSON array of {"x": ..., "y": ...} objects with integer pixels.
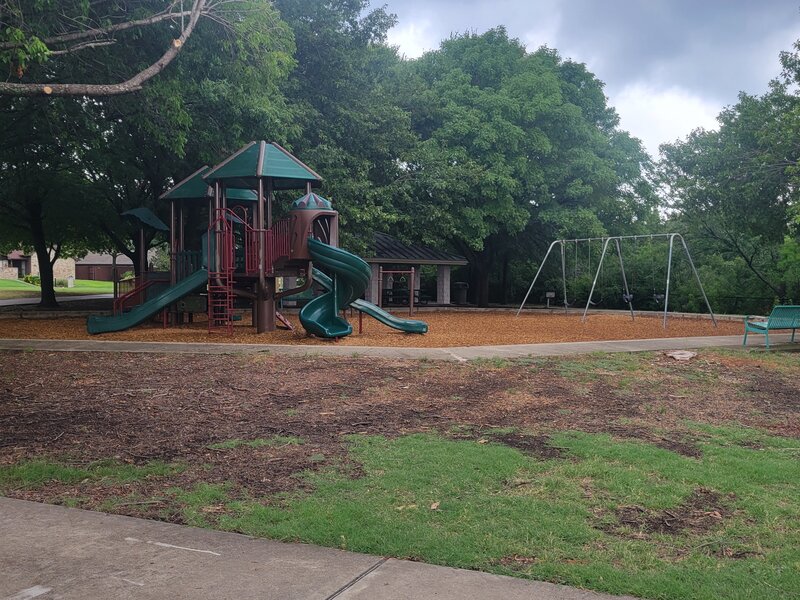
[{"x": 17, "y": 264}]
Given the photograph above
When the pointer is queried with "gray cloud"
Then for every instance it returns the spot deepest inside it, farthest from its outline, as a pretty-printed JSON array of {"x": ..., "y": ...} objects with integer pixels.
[{"x": 712, "y": 47}]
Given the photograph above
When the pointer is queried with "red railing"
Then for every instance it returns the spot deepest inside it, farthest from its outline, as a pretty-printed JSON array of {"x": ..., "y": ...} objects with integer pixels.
[
  {"x": 221, "y": 265},
  {"x": 281, "y": 238},
  {"x": 276, "y": 244},
  {"x": 137, "y": 292},
  {"x": 252, "y": 242}
]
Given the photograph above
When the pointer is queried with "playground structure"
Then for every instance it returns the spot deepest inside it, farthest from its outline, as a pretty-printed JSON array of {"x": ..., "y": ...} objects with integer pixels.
[
  {"x": 626, "y": 292},
  {"x": 226, "y": 249}
]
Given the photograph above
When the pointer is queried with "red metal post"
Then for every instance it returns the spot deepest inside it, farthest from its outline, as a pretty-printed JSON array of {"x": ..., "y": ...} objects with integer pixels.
[{"x": 411, "y": 291}]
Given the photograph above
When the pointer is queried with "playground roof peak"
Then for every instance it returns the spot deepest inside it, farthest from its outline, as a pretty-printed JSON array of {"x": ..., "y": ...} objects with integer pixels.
[
  {"x": 263, "y": 159},
  {"x": 312, "y": 201},
  {"x": 194, "y": 187}
]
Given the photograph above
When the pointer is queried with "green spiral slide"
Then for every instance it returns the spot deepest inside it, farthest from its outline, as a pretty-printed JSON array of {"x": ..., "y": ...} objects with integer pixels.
[{"x": 322, "y": 317}]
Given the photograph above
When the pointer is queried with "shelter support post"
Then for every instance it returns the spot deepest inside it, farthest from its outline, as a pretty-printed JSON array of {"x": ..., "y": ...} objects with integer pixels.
[
  {"x": 373, "y": 291},
  {"x": 443, "y": 284}
]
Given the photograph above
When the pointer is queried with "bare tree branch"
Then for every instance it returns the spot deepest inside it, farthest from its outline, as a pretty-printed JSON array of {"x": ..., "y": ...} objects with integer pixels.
[
  {"x": 82, "y": 46},
  {"x": 101, "y": 31},
  {"x": 131, "y": 85}
]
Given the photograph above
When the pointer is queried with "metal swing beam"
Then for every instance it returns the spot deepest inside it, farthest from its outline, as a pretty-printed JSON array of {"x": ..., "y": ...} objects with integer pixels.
[{"x": 617, "y": 239}]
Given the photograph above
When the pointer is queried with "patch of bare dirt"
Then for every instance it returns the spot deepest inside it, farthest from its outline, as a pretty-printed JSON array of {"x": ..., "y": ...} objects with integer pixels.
[
  {"x": 703, "y": 511},
  {"x": 135, "y": 408}
]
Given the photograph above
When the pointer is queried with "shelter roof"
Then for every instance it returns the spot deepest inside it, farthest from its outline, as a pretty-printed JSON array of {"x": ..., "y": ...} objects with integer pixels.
[
  {"x": 262, "y": 159},
  {"x": 390, "y": 250}
]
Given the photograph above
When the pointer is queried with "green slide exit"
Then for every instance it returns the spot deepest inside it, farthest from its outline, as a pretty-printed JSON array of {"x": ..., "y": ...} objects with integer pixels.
[
  {"x": 97, "y": 324},
  {"x": 321, "y": 315}
]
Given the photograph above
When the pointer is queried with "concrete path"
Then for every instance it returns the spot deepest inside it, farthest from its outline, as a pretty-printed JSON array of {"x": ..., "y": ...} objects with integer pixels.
[
  {"x": 459, "y": 354},
  {"x": 51, "y": 552},
  {"x": 35, "y": 300}
]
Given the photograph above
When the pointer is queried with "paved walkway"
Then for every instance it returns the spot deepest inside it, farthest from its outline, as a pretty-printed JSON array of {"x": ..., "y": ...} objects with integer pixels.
[
  {"x": 459, "y": 354},
  {"x": 51, "y": 552},
  {"x": 35, "y": 300}
]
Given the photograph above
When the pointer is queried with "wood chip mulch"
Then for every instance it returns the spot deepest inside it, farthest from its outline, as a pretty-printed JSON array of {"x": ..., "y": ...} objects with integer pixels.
[{"x": 446, "y": 328}]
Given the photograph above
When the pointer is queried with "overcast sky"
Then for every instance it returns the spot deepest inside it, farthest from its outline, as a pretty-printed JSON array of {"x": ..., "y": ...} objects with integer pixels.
[{"x": 669, "y": 65}]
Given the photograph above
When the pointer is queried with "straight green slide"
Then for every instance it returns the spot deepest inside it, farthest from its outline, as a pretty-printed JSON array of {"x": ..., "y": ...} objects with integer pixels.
[{"x": 104, "y": 324}]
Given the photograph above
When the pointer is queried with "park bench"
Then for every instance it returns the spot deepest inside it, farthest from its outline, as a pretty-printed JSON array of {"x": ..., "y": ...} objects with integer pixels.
[{"x": 781, "y": 317}]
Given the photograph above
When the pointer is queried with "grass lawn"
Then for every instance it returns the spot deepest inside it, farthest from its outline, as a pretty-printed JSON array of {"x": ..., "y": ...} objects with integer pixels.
[
  {"x": 10, "y": 289},
  {"x": 622, "y": 473}
]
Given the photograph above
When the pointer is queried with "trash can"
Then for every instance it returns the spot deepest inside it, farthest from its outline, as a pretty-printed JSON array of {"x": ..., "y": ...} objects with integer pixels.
[{"x": 460, "y": 292}]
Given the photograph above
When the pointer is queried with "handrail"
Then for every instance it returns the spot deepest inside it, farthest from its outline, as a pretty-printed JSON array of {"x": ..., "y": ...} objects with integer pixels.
[
  {"x": 119, "y": 303},
  {"x": 276, "y": 244}
]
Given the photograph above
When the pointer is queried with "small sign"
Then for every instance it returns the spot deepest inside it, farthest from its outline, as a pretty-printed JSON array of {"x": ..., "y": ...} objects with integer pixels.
[{"x": 550, "y": 295}]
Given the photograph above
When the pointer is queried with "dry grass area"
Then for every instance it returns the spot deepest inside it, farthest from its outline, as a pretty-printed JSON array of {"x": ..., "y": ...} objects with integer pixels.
[
  {"x": 141, "y": 407},
  {"x": 446, "y": 328}
]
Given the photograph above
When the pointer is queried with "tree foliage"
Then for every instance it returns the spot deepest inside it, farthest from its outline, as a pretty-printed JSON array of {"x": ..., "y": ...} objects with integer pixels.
[
  {"x": 515, "y": 148},
  {"x": 737, "y": 186}
]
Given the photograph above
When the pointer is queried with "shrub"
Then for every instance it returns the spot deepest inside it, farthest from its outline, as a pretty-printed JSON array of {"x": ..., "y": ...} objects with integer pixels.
[
  {"x": 60, "y": 283},
  {"x": 32, "y": 279}
]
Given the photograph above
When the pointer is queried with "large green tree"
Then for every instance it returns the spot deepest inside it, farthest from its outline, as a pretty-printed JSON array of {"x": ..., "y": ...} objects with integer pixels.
[
  {"x": 352, "y": 129},
  {"x": 515, "y": 148},
  {"x": 45, "y": 200},
  {"x": 736, "y": 186},
  {"x": 223, "y": 92},
  {"x": 43, "y": 43}
]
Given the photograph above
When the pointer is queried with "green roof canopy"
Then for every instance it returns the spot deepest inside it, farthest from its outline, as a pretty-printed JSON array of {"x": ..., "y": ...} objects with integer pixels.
[
  {"x": 311, "y": 201},
  {"x": 261, "y": 159},
  {"x": 146, "y": 217},
  {"x": 194, "y": 187},
  {"x": 191, "y": 188}
]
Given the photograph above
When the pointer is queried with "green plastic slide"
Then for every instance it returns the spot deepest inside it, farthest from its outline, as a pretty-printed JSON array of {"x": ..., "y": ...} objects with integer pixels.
[
  {"x": 321, "y": 316},
  {"x": 97, "y": 324}
]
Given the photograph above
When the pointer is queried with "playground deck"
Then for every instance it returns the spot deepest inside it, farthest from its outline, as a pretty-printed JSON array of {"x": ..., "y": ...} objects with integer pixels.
[{"x": 447, "y": 328}]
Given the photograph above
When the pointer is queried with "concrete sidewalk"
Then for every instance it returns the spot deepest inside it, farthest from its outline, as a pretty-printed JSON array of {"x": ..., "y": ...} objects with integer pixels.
[
  {"x": 65, "y": 298},
  {"x": 459, "y": 354},
  {"x": 51, "y": 552}
]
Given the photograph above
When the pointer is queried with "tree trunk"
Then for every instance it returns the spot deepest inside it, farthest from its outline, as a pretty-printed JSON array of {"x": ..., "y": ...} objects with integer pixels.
[{"x": 48, "y": 298}]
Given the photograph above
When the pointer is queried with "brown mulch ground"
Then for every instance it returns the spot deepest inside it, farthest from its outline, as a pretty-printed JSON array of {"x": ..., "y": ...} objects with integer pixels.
[
  {"x": 85, "y": 407},
  {"x": 446, "y": 328}
]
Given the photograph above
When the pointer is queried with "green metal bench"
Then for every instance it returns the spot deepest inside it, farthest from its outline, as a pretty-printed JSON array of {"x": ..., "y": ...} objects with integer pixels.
[{"x": 782, "y": 317}]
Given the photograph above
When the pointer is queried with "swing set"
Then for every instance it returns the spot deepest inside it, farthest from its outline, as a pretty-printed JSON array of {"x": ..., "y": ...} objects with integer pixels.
[{"x": 627, "y": 295}]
